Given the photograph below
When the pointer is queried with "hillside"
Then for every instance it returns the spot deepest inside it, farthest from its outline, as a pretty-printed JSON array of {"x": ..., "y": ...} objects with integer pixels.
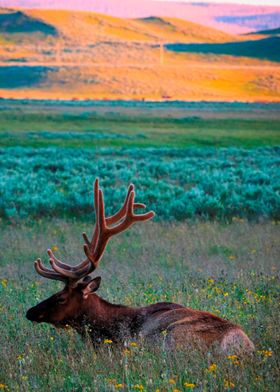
[
  {"x": 231, "y": 18},
  {"x": 267, "y": 32},
  {"x": 70, "y": 54},
  {"x": 12, "y": 22},
  {"x": 261, "y": 49},
  {"x": 92, "y": 27}
]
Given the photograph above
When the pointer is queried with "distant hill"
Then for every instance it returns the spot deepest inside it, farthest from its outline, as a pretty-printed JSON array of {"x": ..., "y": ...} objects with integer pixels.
[
  {"x": 89, "y": 27},
  {"x": 60, "y": 54},
  {"x": 17, "y": 22},
  {"x": 267, "y": 32},
  {"x": 267, "y": 48},
  {"x": 232, "y": 18},
  {"x": 174, "y": 29}
]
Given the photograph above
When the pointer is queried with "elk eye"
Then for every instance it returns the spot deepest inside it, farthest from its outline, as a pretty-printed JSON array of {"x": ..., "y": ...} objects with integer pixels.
[{"x": 62, "y": 300}]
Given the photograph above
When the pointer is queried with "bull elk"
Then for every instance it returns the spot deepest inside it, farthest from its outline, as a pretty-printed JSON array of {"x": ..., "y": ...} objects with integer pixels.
[{"x": 78, "y": 306}]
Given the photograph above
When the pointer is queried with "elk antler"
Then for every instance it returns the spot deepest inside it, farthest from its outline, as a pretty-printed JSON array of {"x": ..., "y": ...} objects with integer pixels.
[{"x": 104, "y": 229}]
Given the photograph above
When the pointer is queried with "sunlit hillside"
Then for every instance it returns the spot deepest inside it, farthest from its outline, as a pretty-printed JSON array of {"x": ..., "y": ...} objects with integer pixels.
[
  {"x": 92, "y": 27},
  {"x": 70, "y": 54}
]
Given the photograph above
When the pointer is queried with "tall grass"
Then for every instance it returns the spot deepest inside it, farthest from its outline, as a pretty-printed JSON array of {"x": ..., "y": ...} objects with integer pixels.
[{"x": 228, "y": 269}]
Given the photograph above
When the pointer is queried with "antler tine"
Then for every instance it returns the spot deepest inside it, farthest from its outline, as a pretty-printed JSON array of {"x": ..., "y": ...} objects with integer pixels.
[
  {"x": 75, "y": 275},
  {"x": 94, "y": 252},
  {"x": 58, "y": 262},
  {"x": 121, "y": 213},
  {"x": 80, "y": 268},
  {"x": 47, "y": 273},
  {"x": 96, "y": 203},
  {"x": 130, "y": 217}
]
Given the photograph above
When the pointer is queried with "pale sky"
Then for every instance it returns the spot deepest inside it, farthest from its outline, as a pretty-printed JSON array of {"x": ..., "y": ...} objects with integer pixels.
[{"x": 253, "y": 2}]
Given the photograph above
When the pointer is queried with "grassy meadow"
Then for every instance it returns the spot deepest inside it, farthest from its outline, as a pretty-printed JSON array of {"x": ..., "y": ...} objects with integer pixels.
[
  {"x": 212, "y": 176},
  {"x": 230, "y": 270},
  {"x": 93, "y": 124}
]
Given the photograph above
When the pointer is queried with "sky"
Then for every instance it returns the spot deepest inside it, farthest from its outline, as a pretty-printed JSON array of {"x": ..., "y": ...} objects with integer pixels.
[{"x": 253, "y": 2}]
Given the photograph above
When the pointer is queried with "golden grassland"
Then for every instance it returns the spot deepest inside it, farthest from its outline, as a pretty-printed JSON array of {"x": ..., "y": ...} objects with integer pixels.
[
  {"x": 94, "y": 27},
  {"x": 101, "y": 57},
  {"x": 230, "y": 270},
  {"x": 195, "y": 81}
]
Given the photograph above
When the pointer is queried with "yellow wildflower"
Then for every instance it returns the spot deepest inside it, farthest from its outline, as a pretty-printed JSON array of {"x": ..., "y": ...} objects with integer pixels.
[
  {"x": 139, "y": 387},
  {"x": 4, "y": 283},
  {"x": 108, "y": 341},
  {"x": 228, "y": 384},
  {"x": 126, "y": 351},
  {"x": 111, "y": 380},
  {"x": 211, "y": 281},
  {"x": 266, "y": 353},
  {"x": 119, "y": 386},
  {"x": 212, "y": 368},
  {"x": 232, "y": 257},
  {"x": 133, "y": 344},
  {"x": 226, "y": 294},
  {"x": 3, "y": 386},
  {"x": 234, "y": 359},
  {"x": 189, "y": 385},
  {"x": 24, "y": 378},
  {"x": 176, "y": 390},
  {"x": 20, "y": 357},
  {"x": 54, "y": 248},
  {"x": 172, "y": 381}
]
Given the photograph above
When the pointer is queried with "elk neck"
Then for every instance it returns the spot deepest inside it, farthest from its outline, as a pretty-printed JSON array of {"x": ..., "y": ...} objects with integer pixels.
[{"x": 110, "y": 321}]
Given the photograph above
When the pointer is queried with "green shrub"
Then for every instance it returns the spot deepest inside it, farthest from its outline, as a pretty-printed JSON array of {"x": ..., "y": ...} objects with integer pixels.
[{"x": 177, "y": 183}]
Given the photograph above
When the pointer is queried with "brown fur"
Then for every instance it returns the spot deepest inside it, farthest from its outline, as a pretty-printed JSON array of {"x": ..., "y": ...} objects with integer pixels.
[{"x": 103, "y": 320}]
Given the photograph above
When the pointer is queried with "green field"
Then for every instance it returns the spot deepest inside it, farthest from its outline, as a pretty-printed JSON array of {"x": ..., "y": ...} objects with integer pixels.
[
  {"x": 81, "y": 125},
  {"x": 210, "y": 172}
]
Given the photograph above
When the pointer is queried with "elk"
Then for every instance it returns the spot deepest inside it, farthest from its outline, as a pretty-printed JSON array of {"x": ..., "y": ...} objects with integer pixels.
[{"x": 78, "y": 305}]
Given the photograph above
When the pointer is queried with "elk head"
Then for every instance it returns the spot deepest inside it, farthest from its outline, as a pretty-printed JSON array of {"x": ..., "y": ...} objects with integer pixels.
[{"x": 66, "y": 306}]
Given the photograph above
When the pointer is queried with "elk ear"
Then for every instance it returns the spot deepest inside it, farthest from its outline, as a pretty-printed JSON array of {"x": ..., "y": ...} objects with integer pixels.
[{"x": 91, "y": 287}]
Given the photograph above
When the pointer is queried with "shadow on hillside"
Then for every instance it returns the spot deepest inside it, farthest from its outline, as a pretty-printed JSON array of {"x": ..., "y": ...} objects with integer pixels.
[
  {"x": 15, "y": 77},
  {"x": 266, "y": 32},
  {"x": 267, "y": 48},
  {"x": 18, "y": 22}
]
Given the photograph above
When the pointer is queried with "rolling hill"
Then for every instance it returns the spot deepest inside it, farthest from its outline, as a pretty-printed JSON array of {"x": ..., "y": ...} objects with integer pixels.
[
  {"x": 267, "y": 32},
  {"x": 231, "y": 18},
  {"x": 92, "y": 27},
  {"x": 12, "y": 22},
  {"x": 262, "y": 49},
  {"x": 71, "y": 54}
]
